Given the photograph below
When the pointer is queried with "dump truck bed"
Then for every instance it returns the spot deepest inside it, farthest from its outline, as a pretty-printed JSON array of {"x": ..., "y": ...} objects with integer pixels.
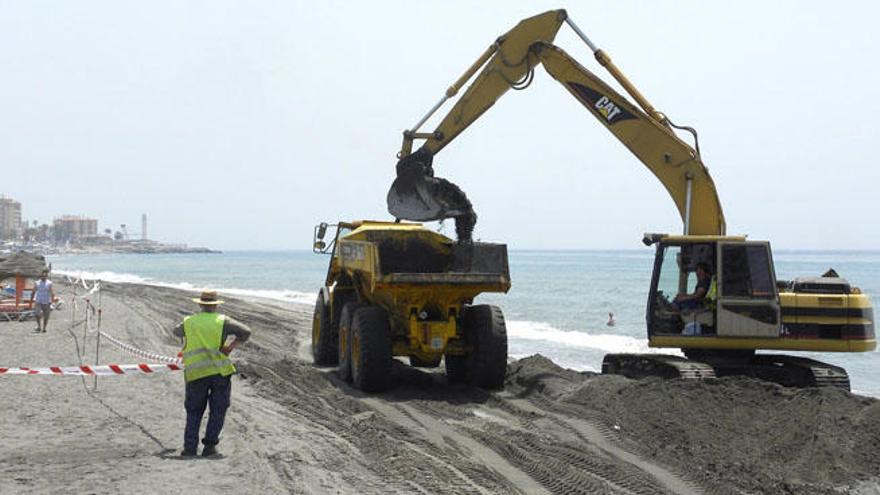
[
  {"x": 449, "y": 278},
  {"x": 479, "y": 264}
]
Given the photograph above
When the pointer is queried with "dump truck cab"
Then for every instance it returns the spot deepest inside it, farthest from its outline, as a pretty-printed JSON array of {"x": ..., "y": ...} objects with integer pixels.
[{"x": 421, "y": 285}]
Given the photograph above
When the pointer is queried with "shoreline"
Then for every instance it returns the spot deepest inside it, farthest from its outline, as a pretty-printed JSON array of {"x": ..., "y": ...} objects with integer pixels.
[{"x": 126, "y": 248}]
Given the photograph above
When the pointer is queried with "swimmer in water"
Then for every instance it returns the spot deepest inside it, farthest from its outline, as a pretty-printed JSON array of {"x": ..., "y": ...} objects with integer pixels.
[{"x": 611, "y": 321}]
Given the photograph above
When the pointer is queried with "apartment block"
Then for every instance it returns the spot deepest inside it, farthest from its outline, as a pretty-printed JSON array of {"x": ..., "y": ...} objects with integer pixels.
[
  {"x": 74, "y": 228},
  {"x": 10, "y": 219}
]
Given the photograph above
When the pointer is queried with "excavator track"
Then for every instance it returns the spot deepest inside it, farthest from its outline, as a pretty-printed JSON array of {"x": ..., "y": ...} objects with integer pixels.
[
  {"x": 802, "y": 372},
  {"x": 660, "y": 365},
  {"x": 789, "y": 371}
]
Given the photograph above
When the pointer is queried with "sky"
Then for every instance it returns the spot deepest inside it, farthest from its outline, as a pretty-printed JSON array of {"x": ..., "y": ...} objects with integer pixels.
[{"x": 240, "y": 125}]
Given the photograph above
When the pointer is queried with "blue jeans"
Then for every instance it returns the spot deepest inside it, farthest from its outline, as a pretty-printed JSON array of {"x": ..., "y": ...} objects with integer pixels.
[
  {"x": 689, "y": 304},
  {"x": 214, "y": 390}
]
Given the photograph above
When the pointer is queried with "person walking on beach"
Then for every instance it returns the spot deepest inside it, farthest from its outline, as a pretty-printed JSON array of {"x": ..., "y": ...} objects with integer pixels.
[
  {"x": 207, "y": 370},
  {"x": 43, "y": 294}
]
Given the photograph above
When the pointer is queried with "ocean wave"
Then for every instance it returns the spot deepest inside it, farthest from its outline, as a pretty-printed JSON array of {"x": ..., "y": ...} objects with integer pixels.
[
  {"x": 536, "y": 330},
  {"x": 276, "y": 295},
  {"x": 130, "y": 278}
]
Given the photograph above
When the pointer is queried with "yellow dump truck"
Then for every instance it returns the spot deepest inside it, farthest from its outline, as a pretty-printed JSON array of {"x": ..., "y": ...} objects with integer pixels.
[{"x": 399, "y": 289}]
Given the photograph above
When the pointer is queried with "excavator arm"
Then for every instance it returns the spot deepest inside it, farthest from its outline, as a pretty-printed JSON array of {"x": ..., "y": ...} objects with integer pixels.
[
  {"x": 509, "y": 63},
  {"x": 671, "y": 160}
]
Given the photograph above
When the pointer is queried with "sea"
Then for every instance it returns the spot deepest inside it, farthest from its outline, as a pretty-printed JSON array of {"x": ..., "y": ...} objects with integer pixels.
[{"x": 558, "y": 305}]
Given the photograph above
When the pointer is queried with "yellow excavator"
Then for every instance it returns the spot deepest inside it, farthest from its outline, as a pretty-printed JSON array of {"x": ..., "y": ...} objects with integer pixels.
[{"x": 714, "y": 296}]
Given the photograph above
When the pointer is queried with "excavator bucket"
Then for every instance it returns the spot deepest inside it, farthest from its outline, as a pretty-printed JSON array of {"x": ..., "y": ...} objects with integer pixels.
[
  {"x": 410, "y": 198},
  {"x": 419, "y": 196},
  {"x": 424, "y": 199}
]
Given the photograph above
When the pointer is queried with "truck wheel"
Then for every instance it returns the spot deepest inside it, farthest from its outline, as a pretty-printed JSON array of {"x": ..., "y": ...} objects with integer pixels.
[
  {"x": 417, "y": 362},
  {"x": 487, "y": 364},
  {"x": 456, "y": 369},
  {"x": 344, "y": 349},
  {"x": 324, "y": 335},
  {"x": 371, "y": 349}
]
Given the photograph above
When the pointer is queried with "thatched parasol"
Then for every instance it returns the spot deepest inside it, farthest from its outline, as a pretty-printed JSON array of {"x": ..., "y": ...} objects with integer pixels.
[{"x": 21, "y": 263}]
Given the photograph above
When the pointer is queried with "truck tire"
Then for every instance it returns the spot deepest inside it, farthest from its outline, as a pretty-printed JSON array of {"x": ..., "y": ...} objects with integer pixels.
[
  {"x": 344, "y": 348},
  {"x": 341, "y": 297},
  {"x": 371, "y": 349},
  {"x": 324, "y": 335},
  {"x": 456, "y": 368},
  {"x": 487, "y": 363}
]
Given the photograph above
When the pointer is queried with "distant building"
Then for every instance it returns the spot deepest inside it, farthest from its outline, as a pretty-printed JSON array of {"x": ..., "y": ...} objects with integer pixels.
[
  {"x": 10, "y": 219},
  {"x": 74, "y": 228}
]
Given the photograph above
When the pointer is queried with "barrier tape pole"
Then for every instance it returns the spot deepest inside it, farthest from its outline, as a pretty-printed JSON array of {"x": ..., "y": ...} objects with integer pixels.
[
  {"x": 85, "y": 327},
  {"x": 98, "y": 339}
]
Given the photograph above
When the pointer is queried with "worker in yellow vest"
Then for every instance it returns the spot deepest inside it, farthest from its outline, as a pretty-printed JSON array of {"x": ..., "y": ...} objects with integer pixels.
[
  {"x": 209, "y": 337},
  {"x": 704, "y": 284}
]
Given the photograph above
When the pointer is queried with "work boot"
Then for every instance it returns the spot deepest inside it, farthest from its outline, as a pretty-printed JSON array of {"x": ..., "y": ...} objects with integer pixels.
[
  {"x": 209, "y": 450},
  {"x": 188, "y": 452}
]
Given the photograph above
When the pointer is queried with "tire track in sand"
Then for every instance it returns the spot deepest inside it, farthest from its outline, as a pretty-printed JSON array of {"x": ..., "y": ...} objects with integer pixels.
[
  {"x": 597, "y": 433},
  {"x": 360, "y": 434},
  {"x": 558, "y": 458}
]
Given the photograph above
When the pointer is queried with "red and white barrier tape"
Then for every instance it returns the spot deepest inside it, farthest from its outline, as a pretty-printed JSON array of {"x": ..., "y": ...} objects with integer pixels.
[
  {"x": 96, "y": 284},
  {"x": 141, "y": 353},
  {"x": 103, "y": 370}
]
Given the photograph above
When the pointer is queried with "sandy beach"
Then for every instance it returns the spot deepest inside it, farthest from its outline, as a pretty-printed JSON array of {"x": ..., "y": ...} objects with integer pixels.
[{"x": 296, "y": 428}]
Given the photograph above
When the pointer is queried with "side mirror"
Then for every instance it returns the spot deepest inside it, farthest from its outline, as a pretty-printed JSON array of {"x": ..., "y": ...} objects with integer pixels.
[
  {"x": 318, "y": 244},
  {"x": 322, "y": 230}
]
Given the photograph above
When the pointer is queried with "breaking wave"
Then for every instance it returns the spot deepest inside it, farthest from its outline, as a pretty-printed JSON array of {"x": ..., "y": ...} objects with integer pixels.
[
  {"x": 536, "y": 330},
  {"x": 129, "y": 278}
]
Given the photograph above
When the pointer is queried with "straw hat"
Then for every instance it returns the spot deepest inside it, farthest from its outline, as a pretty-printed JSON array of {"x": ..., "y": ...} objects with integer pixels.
[{"x": 208, "y": 298}]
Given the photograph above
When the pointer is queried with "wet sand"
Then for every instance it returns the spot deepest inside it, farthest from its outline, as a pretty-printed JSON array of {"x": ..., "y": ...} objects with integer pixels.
[{"x": 296, "y": 428}]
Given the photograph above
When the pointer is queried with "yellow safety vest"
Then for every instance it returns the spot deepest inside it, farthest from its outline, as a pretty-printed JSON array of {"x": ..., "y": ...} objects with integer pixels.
[
  {"x": 711, "y": 295},
  {"x": 204, "y": 338}
]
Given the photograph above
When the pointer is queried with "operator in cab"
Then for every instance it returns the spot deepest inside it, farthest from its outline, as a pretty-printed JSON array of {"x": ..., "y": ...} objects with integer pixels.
[{"x": 695, "y": 299}]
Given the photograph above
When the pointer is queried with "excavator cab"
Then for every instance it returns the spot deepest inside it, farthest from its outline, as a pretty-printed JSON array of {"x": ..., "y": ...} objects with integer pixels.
[
  {"x": 743, "y": 311},
  {"x": 713, "y": 286}
]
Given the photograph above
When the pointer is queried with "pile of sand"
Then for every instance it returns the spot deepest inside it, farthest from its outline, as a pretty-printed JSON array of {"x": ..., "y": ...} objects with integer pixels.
[{"x": 731, "y": 434}]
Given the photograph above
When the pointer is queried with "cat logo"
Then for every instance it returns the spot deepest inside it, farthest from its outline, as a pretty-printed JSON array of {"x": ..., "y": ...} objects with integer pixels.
[
  {"x": 607, "y": 108},
  {"x": 601, "y": 105}
]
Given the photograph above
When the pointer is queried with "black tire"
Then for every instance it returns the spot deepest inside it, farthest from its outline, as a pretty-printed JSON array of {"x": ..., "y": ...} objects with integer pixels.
[
  {"x": 487, "y": 364},
  {"x": 324, "y": 335},
  {"x": 456, "y": 369},
  {"x": 371, "y": 349},
  {"x": 417, "y": 362},
  {"x": 344, "y": 348},
  {"x": 341, "y": 297}
]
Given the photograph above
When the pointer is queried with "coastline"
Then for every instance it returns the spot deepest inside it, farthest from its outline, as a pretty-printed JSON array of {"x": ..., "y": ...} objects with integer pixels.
[
  {"x": 148, "y": 247},
  {"x": 296, "y": 428}
]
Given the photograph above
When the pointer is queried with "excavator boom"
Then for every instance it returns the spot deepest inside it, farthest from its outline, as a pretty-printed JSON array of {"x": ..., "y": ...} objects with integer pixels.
[
  {"x": 509, "y": 63},
  {"x": 671, "y": 160},
  {"x": 416, "y": 194}
]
